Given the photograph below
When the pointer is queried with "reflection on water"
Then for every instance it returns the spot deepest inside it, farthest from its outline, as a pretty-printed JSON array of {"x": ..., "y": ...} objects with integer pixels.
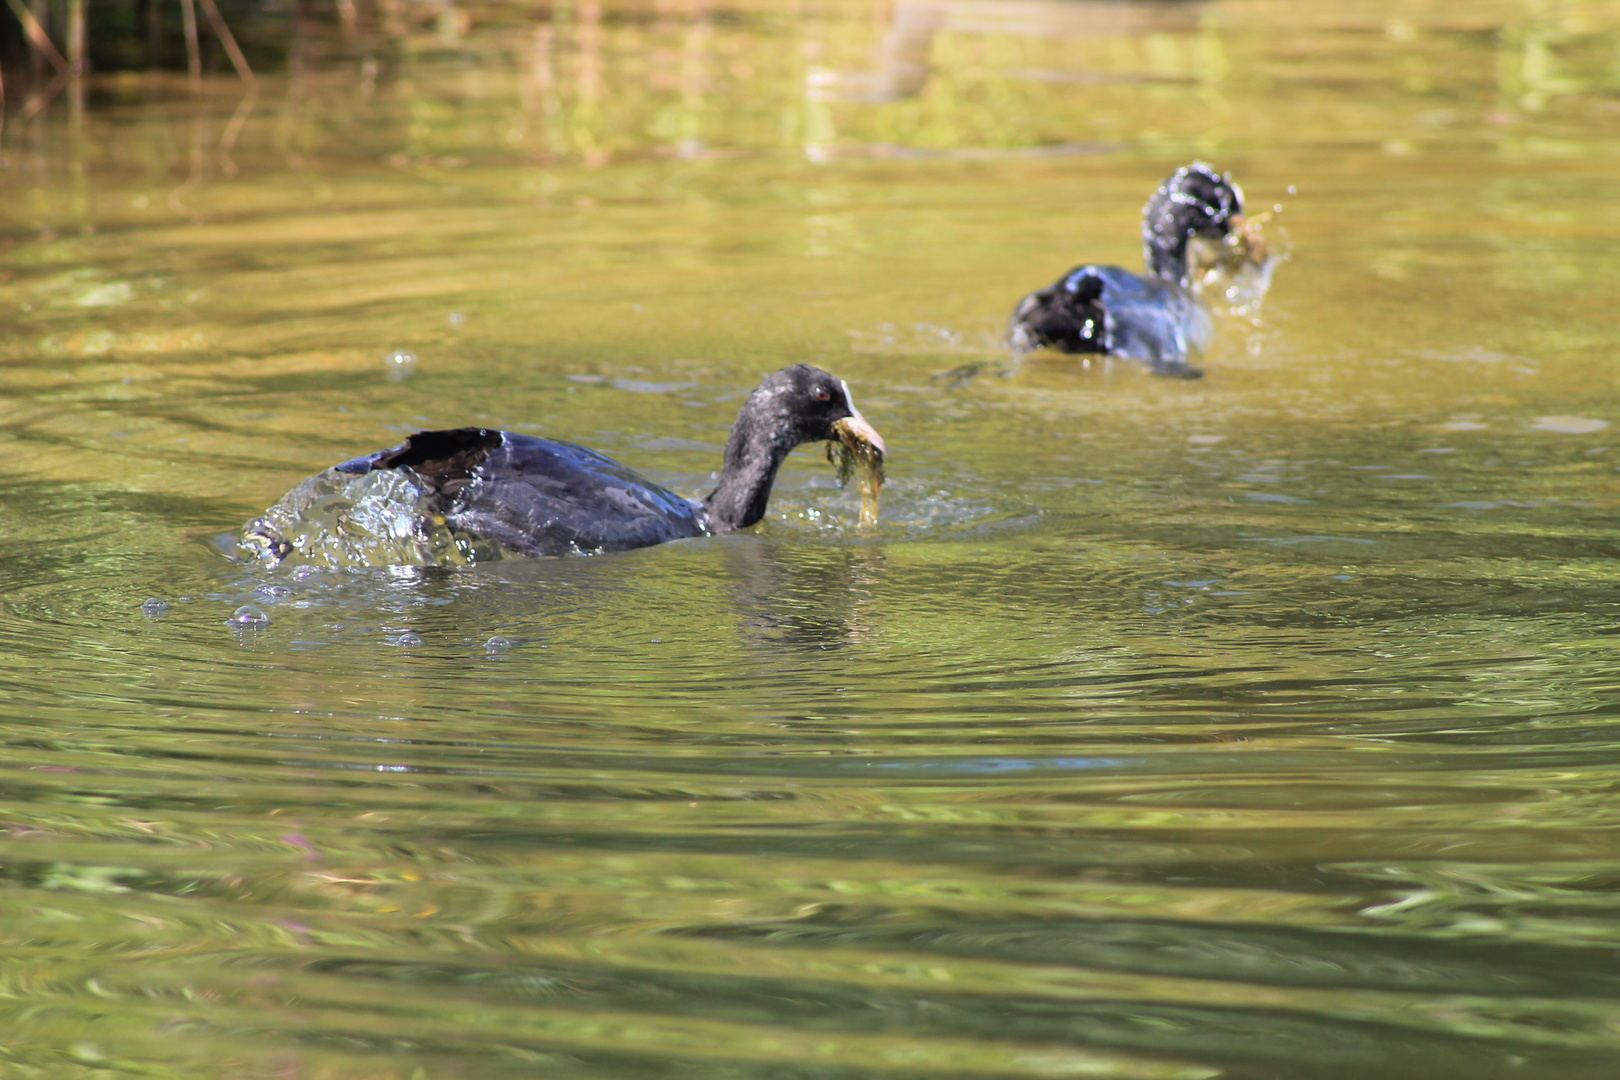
[
  {"x": 908, "y": 45},
  {"x": 806, "y": 598},
  {"x": 1255, "y": 728}
]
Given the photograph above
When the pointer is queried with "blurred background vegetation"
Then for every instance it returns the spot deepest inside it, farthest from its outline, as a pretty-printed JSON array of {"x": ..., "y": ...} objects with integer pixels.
[
  {"x": 120, "y": 35},
  {"x": 593, "y": 78}
]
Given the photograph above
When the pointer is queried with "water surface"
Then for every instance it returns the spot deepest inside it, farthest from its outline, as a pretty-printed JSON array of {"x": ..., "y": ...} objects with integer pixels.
[{"x": 1255, "y": 727}]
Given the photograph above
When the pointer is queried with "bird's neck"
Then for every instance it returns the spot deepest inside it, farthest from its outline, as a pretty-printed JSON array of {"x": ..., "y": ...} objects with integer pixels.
[
  {"x": 1166, "y": 254},
  {"x": 752, "y": 458}
]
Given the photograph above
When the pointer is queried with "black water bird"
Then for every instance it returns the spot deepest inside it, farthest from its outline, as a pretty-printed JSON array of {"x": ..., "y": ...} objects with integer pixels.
[
  {"x": 539, "y": 496},
  {"x": 1156, "y": 316}
]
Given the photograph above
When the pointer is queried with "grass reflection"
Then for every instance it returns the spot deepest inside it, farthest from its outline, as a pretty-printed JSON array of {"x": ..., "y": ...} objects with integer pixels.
[{"x": 448, "y": 86}]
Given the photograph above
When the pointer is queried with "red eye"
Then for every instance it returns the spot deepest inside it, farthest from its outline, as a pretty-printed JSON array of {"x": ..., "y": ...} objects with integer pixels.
[{"x": 821, "y": 393}]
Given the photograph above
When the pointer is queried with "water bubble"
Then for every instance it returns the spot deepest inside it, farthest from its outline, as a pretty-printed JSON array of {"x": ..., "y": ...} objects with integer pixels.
[
  {"x": 407, "y": 640},
  {"x": 248, "y": 617},
  {"x": 154, "y": 607},
  {"x": 400, "y": 364},
  {"x": 498, "y": 644},
  {"x": 457, "y": 318},
  {"x": 273, "y": 592}
]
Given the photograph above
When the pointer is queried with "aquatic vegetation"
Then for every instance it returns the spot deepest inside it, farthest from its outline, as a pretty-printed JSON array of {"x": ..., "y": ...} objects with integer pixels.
[
  {"x": 857, "y": 457},
  {"x": 1235, "y": 270}
]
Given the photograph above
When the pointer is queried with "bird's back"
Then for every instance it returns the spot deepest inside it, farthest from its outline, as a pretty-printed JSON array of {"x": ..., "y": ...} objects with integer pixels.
[
  {"x": 1108, "y": 309},
  {"x": 540, "y": 496}
]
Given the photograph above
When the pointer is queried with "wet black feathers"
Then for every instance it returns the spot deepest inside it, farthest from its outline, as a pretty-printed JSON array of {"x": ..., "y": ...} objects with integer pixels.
[
  {"x": 445, "y": 459},
  {"x": 1066, "y": 315},
  {"x": 1196, "y": 201},
  {"x": 1152, "y": 316},
  {"x": 548, "y": 497}
]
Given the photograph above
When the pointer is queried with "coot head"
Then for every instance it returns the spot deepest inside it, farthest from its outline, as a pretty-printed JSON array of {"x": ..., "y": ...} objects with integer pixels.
[
  {"x": 796, "y": 405},
  {"x": 800, "y": 404},
  {"x": 1196, "y": 201}
]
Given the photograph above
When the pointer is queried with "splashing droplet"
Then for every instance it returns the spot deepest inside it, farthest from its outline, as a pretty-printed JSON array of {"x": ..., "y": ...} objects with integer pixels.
[
  {"x": 248, "y": 617},
  {"x": 401, "y": 364}
]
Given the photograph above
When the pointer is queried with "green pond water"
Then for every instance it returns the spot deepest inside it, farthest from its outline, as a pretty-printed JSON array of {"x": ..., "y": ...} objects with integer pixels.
[{"x": 1263, "y": 726}]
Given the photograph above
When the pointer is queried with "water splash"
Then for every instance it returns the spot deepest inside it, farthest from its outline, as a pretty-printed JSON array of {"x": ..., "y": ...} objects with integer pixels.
[
  {"x": 387, "y": 517},
  {"x": 401, "y": 364},
  {"x": 1234, "y": 274}
]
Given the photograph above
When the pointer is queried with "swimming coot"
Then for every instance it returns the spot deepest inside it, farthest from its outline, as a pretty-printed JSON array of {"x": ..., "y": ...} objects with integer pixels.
[
  {"x": 542, "y": 496},
  {"x": 1157, "y": 316}
]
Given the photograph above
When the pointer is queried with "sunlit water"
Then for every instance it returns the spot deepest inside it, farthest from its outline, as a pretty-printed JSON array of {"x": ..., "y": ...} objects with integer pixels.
[{"x": 1254, "y": 727}]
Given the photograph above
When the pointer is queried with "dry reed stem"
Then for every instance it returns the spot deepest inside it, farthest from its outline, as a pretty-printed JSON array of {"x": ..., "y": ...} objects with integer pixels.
[
  {"x": 77, "y": 38},
  {"x": 227, "y": 39},
  {"x": 188, "y": 14},
  {"x": 42, "y": 98},
  {"x": 245, "y": 73},
  {"x": 37, "y": 37}
]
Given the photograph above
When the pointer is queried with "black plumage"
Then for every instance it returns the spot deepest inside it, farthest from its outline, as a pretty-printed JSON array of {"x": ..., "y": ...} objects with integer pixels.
[
  {"x": 539, "y": 496},
  {"x": 1156, "y": 316}
]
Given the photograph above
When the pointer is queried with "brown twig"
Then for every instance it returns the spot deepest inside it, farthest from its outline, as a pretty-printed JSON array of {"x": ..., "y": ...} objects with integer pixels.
[
  {"x": 233, "y": 129},
  {"x": 238, "y": 61},
  {"x": 188, "y": 13},
  {"x": 37, "y": 37},
  {"x": 245, "y": 73},
  {"x": 41, "y": 98}
]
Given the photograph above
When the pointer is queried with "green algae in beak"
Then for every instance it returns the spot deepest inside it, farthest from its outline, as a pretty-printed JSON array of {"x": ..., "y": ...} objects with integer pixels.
[{"x": 859, "y": 453}]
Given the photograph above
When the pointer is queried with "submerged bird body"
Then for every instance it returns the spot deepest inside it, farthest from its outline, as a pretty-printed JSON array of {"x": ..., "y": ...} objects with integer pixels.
[
  {"x": 1156, "y": 316},
  {"x": 538, "y": 496},
  {"x": 1109, "y": 310},
  {"x": 535, "y": 496}
]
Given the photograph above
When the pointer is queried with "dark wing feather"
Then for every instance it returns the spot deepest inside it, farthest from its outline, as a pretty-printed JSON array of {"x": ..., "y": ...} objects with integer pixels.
[
  {"x": 1065, "y": 315},
  {"x": 1107, "y": 309},
  {"x": 540, "y": 496},
  {"x": 543, "y": 497}
]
